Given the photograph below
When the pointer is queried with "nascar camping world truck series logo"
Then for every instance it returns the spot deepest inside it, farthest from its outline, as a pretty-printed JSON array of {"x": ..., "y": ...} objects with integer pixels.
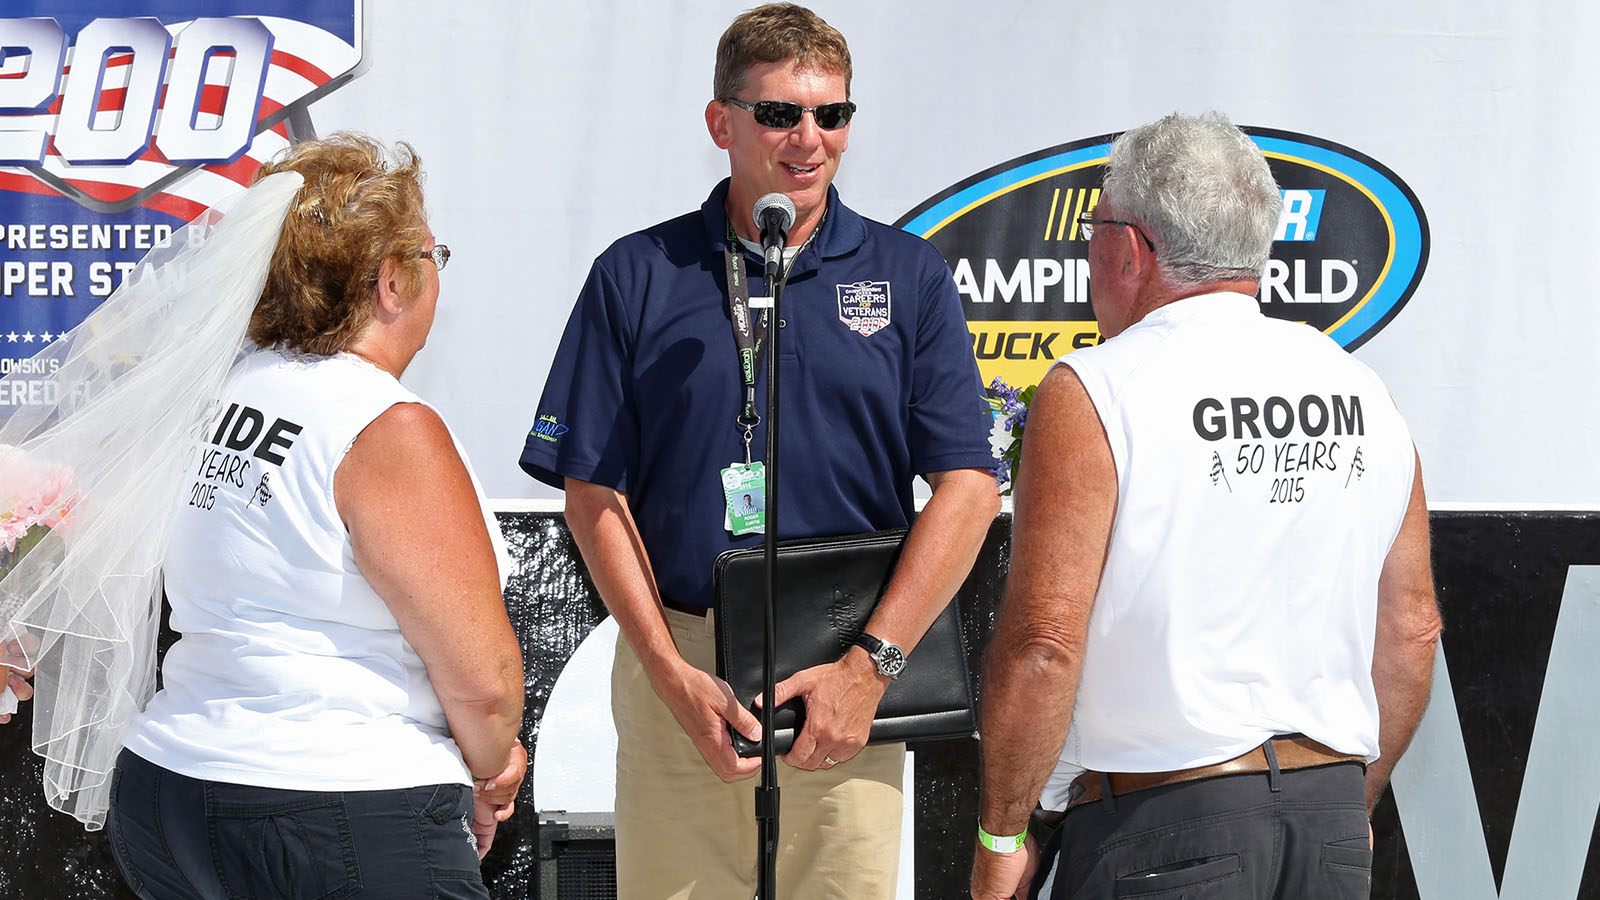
[
  {"x": 121, "y": 122},
  {"x": 1350, "y": 248}
]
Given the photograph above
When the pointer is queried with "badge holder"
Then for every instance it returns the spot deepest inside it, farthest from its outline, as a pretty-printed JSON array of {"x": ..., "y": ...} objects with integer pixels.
[{"x": 744, "y": 489}]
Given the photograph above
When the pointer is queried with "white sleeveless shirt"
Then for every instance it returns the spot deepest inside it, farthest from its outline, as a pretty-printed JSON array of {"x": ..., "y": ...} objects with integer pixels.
[
  {"x": 1262, "y": 475},
  {"x": 290, "y": 671}
]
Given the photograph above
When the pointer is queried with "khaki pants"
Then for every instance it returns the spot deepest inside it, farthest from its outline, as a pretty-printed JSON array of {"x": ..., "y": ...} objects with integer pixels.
[{"x": 684, "y": 834}]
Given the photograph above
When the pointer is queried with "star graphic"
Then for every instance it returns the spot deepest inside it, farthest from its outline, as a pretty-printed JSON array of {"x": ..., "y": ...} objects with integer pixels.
[
  {"x": 12, "y": 337},
  {"x": 27, "y": 337},
  {"x": 47, "y": 337}
]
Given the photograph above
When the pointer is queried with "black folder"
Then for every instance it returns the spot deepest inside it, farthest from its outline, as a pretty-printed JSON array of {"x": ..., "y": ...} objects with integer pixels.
[{"x": 827, "y": 589}]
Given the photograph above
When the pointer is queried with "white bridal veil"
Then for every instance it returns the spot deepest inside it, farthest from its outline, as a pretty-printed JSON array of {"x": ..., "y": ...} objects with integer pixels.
[{"x": 134, "y": 384}]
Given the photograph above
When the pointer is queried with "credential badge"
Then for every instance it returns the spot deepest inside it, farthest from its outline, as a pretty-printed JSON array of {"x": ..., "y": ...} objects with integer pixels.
[{"x": 864, "y": 306}]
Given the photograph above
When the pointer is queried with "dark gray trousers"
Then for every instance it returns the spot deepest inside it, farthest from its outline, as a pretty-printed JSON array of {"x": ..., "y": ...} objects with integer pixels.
[{"x": 1228, "y": 837}]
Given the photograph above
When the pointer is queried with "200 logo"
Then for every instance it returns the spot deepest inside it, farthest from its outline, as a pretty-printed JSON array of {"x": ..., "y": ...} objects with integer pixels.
[{"x": 180, "y": 133}]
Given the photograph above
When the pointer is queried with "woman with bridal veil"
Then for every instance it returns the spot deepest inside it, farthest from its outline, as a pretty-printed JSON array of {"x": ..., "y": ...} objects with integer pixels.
[{"x": 338, "y": 717}]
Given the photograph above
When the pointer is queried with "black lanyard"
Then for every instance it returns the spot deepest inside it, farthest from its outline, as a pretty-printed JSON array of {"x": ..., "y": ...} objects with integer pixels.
[
  {"x": 749, "y": 335},
  {"x": 749, "y": 330}
]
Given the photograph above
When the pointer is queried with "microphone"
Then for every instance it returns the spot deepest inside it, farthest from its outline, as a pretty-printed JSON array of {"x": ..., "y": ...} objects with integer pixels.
[{"x": 774, "y": 214}]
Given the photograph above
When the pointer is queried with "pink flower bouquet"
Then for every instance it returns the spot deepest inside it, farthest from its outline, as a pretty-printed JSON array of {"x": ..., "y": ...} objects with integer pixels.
[{"x": 34, "y": 499}]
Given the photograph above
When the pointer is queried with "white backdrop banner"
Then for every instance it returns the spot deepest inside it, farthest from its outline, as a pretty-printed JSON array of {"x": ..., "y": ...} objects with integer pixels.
[{"x": 1434, "y": 158}]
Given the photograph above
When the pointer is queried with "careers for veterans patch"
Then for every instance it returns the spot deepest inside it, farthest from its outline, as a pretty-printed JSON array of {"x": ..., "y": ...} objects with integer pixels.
[{"x": 864, "y": 306}]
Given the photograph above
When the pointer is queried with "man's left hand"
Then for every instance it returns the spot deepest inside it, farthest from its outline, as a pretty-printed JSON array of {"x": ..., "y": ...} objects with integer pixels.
[
  {"x": 1001, "y": 876},
  {"x": 841, "y": 698}
]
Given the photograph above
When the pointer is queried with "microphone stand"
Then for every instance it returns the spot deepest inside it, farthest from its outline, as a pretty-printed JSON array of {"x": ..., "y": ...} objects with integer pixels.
[{"x": 767, "y": 792}]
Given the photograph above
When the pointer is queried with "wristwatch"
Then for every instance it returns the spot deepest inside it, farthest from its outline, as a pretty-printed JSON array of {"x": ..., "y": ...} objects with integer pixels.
[{"x": 889, "y": 658}]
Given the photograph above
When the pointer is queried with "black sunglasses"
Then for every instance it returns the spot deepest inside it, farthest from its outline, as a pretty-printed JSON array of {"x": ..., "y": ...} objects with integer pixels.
[{"x": 783, "y": 114}]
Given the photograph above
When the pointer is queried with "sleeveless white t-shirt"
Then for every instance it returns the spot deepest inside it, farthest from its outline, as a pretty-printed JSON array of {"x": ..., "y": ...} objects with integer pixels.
[
  {"x": 290, "y": 671},
  {"x": 1262, "y": 476}
]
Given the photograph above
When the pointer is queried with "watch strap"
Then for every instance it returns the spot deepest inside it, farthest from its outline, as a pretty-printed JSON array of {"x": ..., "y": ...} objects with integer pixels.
[{"x": 868, "y": 643}]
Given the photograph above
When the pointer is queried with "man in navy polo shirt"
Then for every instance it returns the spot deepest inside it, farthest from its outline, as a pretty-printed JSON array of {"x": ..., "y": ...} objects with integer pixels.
[{"x": 640, "y": 422}]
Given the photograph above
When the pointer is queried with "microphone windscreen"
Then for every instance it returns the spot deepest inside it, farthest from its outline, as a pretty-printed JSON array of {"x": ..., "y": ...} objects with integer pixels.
[{"x": 775, "y": 201}]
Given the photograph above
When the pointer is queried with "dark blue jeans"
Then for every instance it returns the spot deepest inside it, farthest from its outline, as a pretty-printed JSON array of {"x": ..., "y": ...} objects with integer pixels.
[
  {"x": 178, "y": 837},
  {"x": 1230, "y": 837}
]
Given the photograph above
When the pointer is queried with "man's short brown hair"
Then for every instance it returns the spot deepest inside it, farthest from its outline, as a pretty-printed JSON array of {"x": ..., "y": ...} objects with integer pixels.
[{"x": 774, "y": 33}]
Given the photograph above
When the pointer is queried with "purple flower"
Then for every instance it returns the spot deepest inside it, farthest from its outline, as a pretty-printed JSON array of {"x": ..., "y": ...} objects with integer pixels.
[{"x": 1010, "y": 418}]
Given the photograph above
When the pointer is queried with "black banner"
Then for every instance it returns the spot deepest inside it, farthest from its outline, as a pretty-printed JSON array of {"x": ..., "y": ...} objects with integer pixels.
[{"x": 1519, "y": 593}]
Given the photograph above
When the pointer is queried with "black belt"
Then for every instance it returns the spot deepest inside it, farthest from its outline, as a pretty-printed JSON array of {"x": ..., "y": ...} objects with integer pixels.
[{"x": 685, "y": 608}]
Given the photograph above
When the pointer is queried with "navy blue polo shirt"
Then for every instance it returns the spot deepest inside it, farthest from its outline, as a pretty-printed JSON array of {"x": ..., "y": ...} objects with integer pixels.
[{"x": 878, "y": 385}]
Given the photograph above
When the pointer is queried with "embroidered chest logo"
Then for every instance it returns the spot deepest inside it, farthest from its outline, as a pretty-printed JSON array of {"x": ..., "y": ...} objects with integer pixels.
[{"x": 864, "y": 306}]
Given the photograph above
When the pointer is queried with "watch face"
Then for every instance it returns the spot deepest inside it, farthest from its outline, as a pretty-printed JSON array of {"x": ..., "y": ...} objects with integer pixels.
[{"x": 891, "y": 660}]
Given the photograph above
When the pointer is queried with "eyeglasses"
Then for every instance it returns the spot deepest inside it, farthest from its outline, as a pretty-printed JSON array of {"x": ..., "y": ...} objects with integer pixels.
[
  {"x": 1087, "y": 222},
  {"x": 440, "y": 254},
  {"x": 783, "y": 114}
]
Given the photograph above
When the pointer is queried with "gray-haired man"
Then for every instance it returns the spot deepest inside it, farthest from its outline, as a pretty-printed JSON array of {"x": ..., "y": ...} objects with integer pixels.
[{"x": 1218, "y": 632}]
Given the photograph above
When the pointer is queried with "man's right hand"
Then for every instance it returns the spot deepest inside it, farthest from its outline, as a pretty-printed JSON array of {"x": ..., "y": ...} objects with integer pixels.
[
  {"x": 705, "y": 706},
  {"x": 1004, "y": 876}
]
